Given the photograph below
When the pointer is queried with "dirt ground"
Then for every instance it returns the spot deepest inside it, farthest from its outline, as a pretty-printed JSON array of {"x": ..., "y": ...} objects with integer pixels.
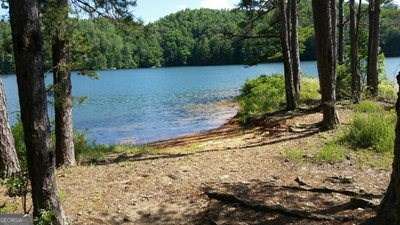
[{"x": 168, "y": 188}]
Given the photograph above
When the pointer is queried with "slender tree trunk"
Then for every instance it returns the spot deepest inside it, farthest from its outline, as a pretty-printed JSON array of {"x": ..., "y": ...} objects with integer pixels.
[
  {"x": 373, "y": 47},
  {"x": 65, "y": 151},
  {"x": 9, "y": 163},
  {"x": 27, "y": 43},
  {"x": 324, "y": 33},
  {"x": 389, "y": 212},
  {"x": 355, "y": 74},
  {"x": 294, "y": 46},
  {"x": 287, "y": 59},
  {"x": 340, "y": 32}
]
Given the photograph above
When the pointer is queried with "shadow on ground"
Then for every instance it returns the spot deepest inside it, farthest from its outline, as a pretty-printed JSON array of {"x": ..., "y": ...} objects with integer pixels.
[{"x": 215, "y": 212}]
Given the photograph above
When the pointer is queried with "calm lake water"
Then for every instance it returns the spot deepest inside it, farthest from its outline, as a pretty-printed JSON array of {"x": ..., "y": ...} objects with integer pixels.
[{"x": 144, "y": 105}]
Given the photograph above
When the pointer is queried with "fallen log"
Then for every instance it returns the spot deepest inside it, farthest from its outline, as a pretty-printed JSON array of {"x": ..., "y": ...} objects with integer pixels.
[{"x": 234, "y": 200}]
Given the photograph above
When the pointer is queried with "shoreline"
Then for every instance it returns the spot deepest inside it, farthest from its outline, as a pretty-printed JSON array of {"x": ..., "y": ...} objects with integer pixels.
[{"x": 230, "y": 126}]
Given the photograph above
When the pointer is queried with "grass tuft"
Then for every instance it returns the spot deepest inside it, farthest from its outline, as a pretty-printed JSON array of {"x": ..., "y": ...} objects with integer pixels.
[
  {"x": 296, "y": 154},
  {"x": 331, "y": 153}
]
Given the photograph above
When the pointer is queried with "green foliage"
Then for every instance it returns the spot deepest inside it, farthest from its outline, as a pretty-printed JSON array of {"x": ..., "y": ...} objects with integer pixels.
[
  {"x": 261, "y": 95},
  {"x": 17, "y": 185},
  {"x": 331, "y": 153},
  {"x": 46, "y": 218},
  {"x": 368, "y": 107},
  {"x": 387, "y": 91},
  {"x": 373, "y": 130},
  {"x": 296, "y": 154},
  {"x": 188, "y": 37},
  {"x": 343, "y": 82},
  {"x": 267, "y": 94},
  {"x": 309, "y": 92},
  {"x": 18, "y": 133}
]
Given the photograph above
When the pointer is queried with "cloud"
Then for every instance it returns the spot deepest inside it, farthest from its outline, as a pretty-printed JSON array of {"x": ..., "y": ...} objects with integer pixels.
[{"x": 216, "y": 4}]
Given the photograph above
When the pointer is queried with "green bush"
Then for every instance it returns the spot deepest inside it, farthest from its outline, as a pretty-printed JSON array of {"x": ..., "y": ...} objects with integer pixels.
[
  {"x": 267, "y": 94},
  {"x": 368, "y": 107},
  {"x": 387, "y": 91},
  {"x": 261, "y": 95},
  {"x": 309, "y": 92},
  {"x": 372, "y": 130}
]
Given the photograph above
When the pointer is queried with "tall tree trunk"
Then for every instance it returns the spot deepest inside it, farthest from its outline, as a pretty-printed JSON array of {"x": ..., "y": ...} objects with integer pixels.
[
  {"x": 294, "y": 47},
  {"x": 291, "y": 103},
  {"x": 389, "y": 212},
  {"x": 341, "y": 32},
  {"x": 65, "y": 151},
  {"x": 355, "y": 73},
  {"x": 27, "y": 43},
  {"x": 9, "y": 163},
  {"x": 373, "y": 47},
  {"x": 324, "y": 34}
]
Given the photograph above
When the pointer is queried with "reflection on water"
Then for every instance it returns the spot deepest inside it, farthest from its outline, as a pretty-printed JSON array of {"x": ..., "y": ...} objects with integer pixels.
[{"x": 143, "y": 105}]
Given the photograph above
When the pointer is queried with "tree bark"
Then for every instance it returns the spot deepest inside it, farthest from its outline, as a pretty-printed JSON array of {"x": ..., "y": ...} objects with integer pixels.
[
  {"x": 355, "y": 74},
  {"x": 324, "y": 34},
  {"x": 294, "y": 47},
  {"x": 65, "y": 151},
  {"x": 291, "y": 103},
  {"x": 27, "y": 44},
  {"x": 9, "y": 163},
  {"x": 340, "y": 32},
  {"x": 373, "y": 47},
  {"x": 389, "y": 212}
]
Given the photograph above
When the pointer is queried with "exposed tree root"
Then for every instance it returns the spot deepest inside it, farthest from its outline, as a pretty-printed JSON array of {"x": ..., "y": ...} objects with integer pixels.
[
  {"x": 232, "y": 199},
  {"x": 363, "y": 203},
  {"x": 326, "y": 190}
]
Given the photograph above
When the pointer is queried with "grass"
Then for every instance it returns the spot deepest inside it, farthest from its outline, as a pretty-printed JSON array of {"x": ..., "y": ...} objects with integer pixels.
[
  {"x": 372, "y": 131},
  {"x": 331, "y": 152},
  {"x": 9, "y": 207},
  {"x": 368, "y": 107},
  {"x": 85, "y": 150},
  {"x": 296, "y": 154},
  {"x": 371, "y": 159}
]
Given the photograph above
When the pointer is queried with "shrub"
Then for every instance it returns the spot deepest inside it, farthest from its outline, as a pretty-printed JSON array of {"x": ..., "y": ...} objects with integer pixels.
[
  {"x": 387, "y": 91},
  {"x": 261, "y": 95},
  {"x": 331, "y": 152},
  {"x": 309, "y": 92},
  {"x": 368, "y": 107},
  {"x": 372, "y": 130},
  {"x": 267, "y": 94}
]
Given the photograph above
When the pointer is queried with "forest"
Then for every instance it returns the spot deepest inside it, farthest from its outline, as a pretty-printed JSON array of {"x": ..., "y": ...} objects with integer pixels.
[
  {"x": 300, "y": 150},
  {"x": 189, "y": 38}
]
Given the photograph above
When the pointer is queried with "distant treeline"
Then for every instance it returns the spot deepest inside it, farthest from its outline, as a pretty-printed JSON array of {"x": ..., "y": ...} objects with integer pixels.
[{"x": 189, "y": 37}]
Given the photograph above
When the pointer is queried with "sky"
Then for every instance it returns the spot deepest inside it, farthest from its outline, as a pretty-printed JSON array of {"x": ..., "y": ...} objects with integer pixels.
[{"x": 151, "y": 10}]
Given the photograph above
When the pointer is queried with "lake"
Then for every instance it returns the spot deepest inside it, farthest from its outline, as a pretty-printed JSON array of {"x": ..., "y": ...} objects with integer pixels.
[{"x": 144, "y": 105}]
